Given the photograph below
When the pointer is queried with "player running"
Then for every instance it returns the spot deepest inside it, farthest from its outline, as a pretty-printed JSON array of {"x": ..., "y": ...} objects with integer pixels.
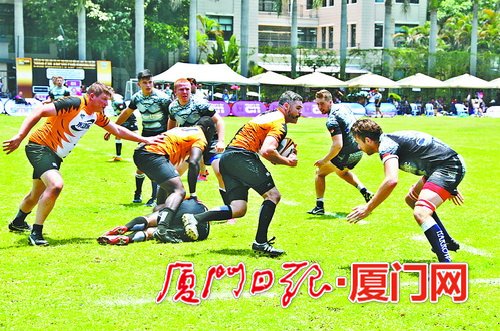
[
  {"x": 68, "y": 119},
  {"x": 423, "y": 155},
  {"x": 242, "y": 169},
  {"x": 344, "y": 152}
]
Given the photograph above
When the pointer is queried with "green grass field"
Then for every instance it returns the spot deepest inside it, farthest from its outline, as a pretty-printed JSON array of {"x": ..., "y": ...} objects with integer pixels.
[{"x": 76, "y": 284}]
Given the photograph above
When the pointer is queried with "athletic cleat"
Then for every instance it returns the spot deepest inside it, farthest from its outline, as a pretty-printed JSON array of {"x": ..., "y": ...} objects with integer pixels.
[
  {"x": 317, "y": 211},
  {"x": 190, "y": 228},
  {"x": 203, "y": 177},
  {"x": 267, "y": 248},
  {"x": 120, "y": 229},
  {"x": 36, "y": 239},
  {"x": 19, "y": 228},
  {"x": 151, "y": 202},
  {"x": 367, "y": 195},
  {"x": 137, "y": 198},
  {"x": 451, "y": 245},
  {"x": 115, "y": 159},
  {"x": 114, "y": 240},
  {"x": 166, "y": 236}
]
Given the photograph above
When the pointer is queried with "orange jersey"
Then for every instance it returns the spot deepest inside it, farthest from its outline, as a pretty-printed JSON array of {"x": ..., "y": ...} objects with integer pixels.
[
  {"x": 178, "y": 142},
  {"x": 251, "y": 135},
  {"x": 61, "y": 132}
]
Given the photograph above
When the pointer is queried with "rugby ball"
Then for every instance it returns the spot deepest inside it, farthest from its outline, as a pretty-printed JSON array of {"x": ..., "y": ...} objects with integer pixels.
[{"x": 286, "y": 147}]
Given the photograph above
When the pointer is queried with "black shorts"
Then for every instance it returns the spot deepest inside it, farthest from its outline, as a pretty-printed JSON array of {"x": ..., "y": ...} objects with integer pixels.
[
  {"x": 242, "y": 170},
  {"x": 209, "y": 154},
  {"x": 448, "y": 174},
  {"x": 348, "y": 161},
  {"x": 131, "y": 123},
  {"x": 42, "y": 159},
  {"x": 157, "y": 167}
]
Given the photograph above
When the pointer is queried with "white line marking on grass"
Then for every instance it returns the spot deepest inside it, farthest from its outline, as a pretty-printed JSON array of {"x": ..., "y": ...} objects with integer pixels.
[
  {"x": 463, "y": 247},
  {"x": 213, "y": 296},
  {"x": 289, "y": 202}
]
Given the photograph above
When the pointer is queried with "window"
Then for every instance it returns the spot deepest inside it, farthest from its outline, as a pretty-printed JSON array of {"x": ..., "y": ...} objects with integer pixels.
[
  {"x": 352, "y": 37},
  {"x": 330, "y": 37},
  {"x": 379, "y": 35},
  {"x": 411, "y": 1},
  {"x": 328, "y": 3},
  {"x": 226, "y": 25},
  {"x": 267, "y": 5},
  {"x": 352, "y": 1},
  {"x": 379, "y": 1},
  {"x": 323, "y": 37},
  {"x": 309, "y": 4}
]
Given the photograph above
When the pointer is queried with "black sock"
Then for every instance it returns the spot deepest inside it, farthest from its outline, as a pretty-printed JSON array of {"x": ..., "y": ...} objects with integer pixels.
[
  {"x": 139, "y": 179},
  {"x": 165, "y": 218},
  {"x": 137, "y": 224},
  {"x": 266, "y": 215},
  {"x": 154, "y": 190},
  {"x": 20, "y": 217},
  {"x": 37, "y": 228},
  {"x": 436, "y": 239},
  {"x": 445, "y": 233},
  {"x": 223, "y": 213},
  {"x": 118, "y": 148},
  {"x": 320, "y": 203}
]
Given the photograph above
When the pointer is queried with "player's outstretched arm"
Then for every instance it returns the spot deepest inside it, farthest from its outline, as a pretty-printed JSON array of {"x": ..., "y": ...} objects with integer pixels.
[
  {"x": 124, "y": 115},
  {"x": 29, "y": 122},
  {"x": 125, "y": 133},
  {"x": 391, "y": 168}
]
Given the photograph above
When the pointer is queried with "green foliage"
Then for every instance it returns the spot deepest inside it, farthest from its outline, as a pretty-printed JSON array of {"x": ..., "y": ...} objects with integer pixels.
[
  {"x": 318, "y": 58},
  {"x": 222, "y": 54},
  {"x": 75, "y": 284}
]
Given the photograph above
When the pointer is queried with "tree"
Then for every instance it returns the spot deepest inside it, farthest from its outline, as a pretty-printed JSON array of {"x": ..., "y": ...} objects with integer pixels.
[
  {"x": 82, "y": 30},
  {"x": 473, "y": 39},
  {"x": 433, "y": 6},
  {"x": 388, "y": 41}
]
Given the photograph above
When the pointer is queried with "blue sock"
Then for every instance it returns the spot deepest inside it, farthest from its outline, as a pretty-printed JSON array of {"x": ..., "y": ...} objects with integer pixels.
[
  {"x": 138, "y": 236},
  {"x": 436, "y": 238}
]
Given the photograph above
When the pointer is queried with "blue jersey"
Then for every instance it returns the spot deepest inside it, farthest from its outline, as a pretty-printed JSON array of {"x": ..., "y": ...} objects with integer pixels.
[
  {"x": 153, "y": 109},
  {"x": 418, "y": 153}
]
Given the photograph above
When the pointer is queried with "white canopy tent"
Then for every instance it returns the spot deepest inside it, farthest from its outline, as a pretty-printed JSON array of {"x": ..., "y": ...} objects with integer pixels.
[
  {"x": 495, "y": 83},
  {"x": 467, "y": 81},
  {"x": 212, "y": 74},
  {"x": 420, "y": 80},
  {"x": 272, "y": 78},
  {"x": 318, "y": 79},
  {"x": 372, "y": 80}
]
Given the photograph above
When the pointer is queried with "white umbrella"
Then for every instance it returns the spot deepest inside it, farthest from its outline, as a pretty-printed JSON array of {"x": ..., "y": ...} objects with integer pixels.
[
  {"x": 420, "y": 80},
  {"x": 467, "y": 81},
  {"x": 318, "y": 79},
  {"x": 272, "y": 78},
  {"x": 495, "y": 83},
  {"x": 372, "y": 80}
]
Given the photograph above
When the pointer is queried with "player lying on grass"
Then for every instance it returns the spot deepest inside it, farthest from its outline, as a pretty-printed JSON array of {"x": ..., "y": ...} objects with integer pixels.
[
  {"x": 242, "y": 169},
  {"x": 68, "y": 119},
  {"x": 158, "y": 163},
  {"x": 441, "y": 168},
  {"x": 142, "y": 228}
]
